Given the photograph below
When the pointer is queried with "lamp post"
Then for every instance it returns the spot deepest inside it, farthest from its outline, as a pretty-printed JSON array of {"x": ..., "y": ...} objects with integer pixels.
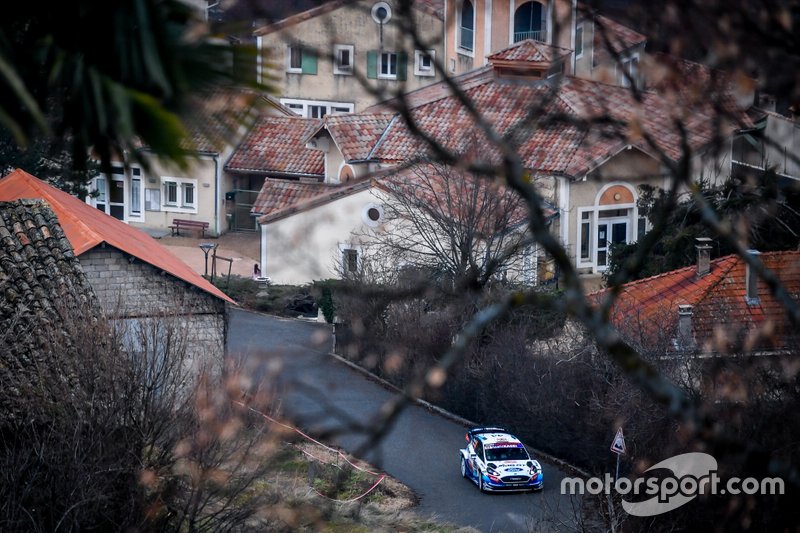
[{"x": 207, "y": 247}]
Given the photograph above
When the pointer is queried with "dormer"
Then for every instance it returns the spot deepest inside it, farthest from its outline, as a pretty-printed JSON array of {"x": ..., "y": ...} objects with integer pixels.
[{"x": 530, "y": 59}]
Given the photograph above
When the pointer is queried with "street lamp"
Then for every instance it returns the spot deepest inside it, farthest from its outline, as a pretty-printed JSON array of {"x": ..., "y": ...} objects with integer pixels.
[{"x": 207, "y": 247}]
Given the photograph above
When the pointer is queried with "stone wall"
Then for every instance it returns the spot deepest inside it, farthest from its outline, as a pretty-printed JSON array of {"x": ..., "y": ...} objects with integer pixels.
[{"x": 134, "y": 291}]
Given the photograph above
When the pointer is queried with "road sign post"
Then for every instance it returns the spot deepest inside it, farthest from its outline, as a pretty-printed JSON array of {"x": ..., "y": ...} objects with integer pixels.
[{"x": 618, "y": 447}]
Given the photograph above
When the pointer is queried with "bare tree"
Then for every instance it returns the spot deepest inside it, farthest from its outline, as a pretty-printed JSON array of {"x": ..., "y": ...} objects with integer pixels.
[{"x": 452, "y": 224}]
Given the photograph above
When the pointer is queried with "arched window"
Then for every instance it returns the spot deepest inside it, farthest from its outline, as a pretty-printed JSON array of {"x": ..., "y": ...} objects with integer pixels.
[
  {"x": 529, "y": 22},
  {"x": 467, "y": 26}
]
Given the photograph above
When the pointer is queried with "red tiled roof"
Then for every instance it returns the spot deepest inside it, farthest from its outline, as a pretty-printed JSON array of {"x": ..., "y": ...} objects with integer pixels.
[
  {"x": 87, "y": 227},
  {"x": 356, "y": 134},
  {"x": 530, "y": 51},
  {"x": 328, "y": 194},
  {"x": 619, "y": 37},
  {"x": 646, "y": 311},
  {"x": 277, "y": 194},
  {"x": 276, "y": 145},
  {"x": 548, "y": 140}
]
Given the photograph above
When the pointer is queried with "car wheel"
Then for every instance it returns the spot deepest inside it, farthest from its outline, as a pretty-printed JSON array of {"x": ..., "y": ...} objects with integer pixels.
[
  {"x": 480, "y": 482},
  {"x": 463, "y": 467}
]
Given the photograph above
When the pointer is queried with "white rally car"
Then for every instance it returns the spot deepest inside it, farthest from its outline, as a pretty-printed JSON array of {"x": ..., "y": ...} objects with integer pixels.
[{"x": 496, "y": 460}]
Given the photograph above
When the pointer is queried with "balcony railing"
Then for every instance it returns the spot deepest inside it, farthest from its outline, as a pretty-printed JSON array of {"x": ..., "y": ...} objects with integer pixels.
[{"x": 538, "y": 35}]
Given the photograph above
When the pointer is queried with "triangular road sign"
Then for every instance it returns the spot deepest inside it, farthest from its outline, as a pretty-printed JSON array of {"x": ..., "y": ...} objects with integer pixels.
[{"x": 618, "y": 445}]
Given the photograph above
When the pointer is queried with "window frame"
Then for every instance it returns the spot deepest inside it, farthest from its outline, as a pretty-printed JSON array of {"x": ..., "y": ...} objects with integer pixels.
[
  {"x": 459, "y": 34},
  {"x": 579, "y": 42},
  {"x": 419, "y": 56},
  {"x": 337, "y": 66},
  {"x": 303, "y": 107},
  {"x": 289, "y": 68},
  {"x": 181, "y": 186},
  {"x": 389, "y": 55}
]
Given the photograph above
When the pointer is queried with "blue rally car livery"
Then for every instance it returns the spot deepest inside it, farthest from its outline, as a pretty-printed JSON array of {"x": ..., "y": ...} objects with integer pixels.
[{"x": 496, "y": 460}]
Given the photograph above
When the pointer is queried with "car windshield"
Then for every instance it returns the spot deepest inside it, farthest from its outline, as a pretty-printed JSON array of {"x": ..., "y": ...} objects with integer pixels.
[{"x": 506, "y": 454}]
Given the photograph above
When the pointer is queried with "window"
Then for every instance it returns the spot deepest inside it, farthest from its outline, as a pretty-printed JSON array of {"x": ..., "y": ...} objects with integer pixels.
[
  {"x": 466, "y": 30},
  {"x": 630, "y": 70},
  {"x": 388, "y": 65},
  {"x": 301, "y": 60},
  {"x": 579, "y": 40},
  {"x": 295, "y": 59},
  {"x": 586, "y": 232},
  {"x": 343, "y": 59},
  {"x": 316, "y": 108},
  {"x": 188, "y": 194},
  {"x": 349, "y": 260},
  {"x": 372, "y": 215},
  {"x": 180, "y": 194},
  {"x": 136, "y": 195},
  {"x": 152, "y": 199},
  {"x": 529, "y": 22},
  {"x": 423, "y": 62},
  {"x": 171, "y": 193}
]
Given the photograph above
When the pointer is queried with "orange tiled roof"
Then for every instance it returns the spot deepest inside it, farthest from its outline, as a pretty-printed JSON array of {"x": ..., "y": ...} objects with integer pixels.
[
  {"x": 357, "y": 134},
  {"x": 87, "y": 227},
  {"x": 276, "y": 145},
  {"x": 277, "y": 194},
  {"x": 646, "y": 311},
  {"x": 549, "y": 142},
  {"x": 531, "y": 51}
]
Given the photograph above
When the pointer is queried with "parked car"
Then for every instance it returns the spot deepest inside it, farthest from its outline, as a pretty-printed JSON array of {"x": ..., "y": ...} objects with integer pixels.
[{"x": 496, "y": 460}]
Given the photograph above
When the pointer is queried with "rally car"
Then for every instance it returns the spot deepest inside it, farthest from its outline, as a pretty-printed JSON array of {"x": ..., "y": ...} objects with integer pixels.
[{"x": 496, "y": 460}]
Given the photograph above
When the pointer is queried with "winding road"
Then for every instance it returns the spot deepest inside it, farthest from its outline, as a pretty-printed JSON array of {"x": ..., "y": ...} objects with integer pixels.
[{"x": 421, "y": 450}]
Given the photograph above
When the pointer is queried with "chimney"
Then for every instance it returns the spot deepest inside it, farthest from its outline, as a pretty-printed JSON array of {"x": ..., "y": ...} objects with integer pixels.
[
  {"x": 685, "y": 335},
  {"x": 703, "y": 256},
  {"x": 751, "y": 280}
]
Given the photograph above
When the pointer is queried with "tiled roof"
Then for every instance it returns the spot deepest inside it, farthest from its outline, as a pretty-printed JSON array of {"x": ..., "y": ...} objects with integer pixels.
[
  {"x": 277, "y": 194},
  {"x": 87, "y": 227},
  {"x": 548, "y": 140},
  {"x": 530, "y": 51},
  {"x": 356, "y": 134},
  {"x": 219, "y": 118},
  {"x": 276, "y": 145},
  {"x": 43, "y": 287},
  {"x": 619, "y": 37},
  {"x": 329, "y": 193},
  {"x": 646, "y": 311}
]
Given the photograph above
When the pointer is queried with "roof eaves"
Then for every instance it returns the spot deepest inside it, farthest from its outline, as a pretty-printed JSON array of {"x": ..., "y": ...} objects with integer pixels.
[{"x": 316, "y": 201}]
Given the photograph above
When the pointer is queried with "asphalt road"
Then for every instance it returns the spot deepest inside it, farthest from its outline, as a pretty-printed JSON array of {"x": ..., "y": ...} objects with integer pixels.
[{"x": 421, "y": 450}]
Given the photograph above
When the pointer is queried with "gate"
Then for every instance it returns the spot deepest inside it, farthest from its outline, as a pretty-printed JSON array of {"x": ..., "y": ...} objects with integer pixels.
[{"x": 239, "y": 212}]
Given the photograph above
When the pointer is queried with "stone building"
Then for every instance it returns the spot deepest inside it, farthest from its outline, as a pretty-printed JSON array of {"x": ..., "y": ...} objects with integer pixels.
[
  {"x": 136, "y": 280},
  {"x": 42, "y": 286}
]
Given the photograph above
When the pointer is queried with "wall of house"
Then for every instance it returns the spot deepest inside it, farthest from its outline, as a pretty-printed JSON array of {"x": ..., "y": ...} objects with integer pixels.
[
  {"x": 134, "y": 290},
  {"x": 202, "y": 175},
  {"x": 632, "y": 168},
  {"x": 348, "y": 25},
  {"x": 306, "y": 247}
]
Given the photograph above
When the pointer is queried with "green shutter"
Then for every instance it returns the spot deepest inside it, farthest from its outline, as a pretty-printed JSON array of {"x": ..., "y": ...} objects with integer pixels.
[
  {"x": 402, "y": 65},
  {"x": 309, "y": 61},
  {"x": 372, "y": 64}
]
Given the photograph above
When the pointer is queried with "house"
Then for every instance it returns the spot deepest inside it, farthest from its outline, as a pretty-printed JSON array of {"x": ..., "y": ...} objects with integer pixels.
[
  {"x": 133, "y": 277},
  {"x": 717, "y": 306},
  {"x": 43, "y": 287},
  {"x": 323, "y": 56},
  {"x": 591, "y": 174},
  {"x": 151, "y": 198}
]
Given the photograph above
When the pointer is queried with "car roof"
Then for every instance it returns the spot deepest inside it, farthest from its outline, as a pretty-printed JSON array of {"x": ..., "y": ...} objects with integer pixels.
[{"x": 498, "y": 439}]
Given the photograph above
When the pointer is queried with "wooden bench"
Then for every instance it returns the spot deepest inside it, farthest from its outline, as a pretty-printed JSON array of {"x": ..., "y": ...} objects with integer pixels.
[{"x": 178, "y": 223}]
